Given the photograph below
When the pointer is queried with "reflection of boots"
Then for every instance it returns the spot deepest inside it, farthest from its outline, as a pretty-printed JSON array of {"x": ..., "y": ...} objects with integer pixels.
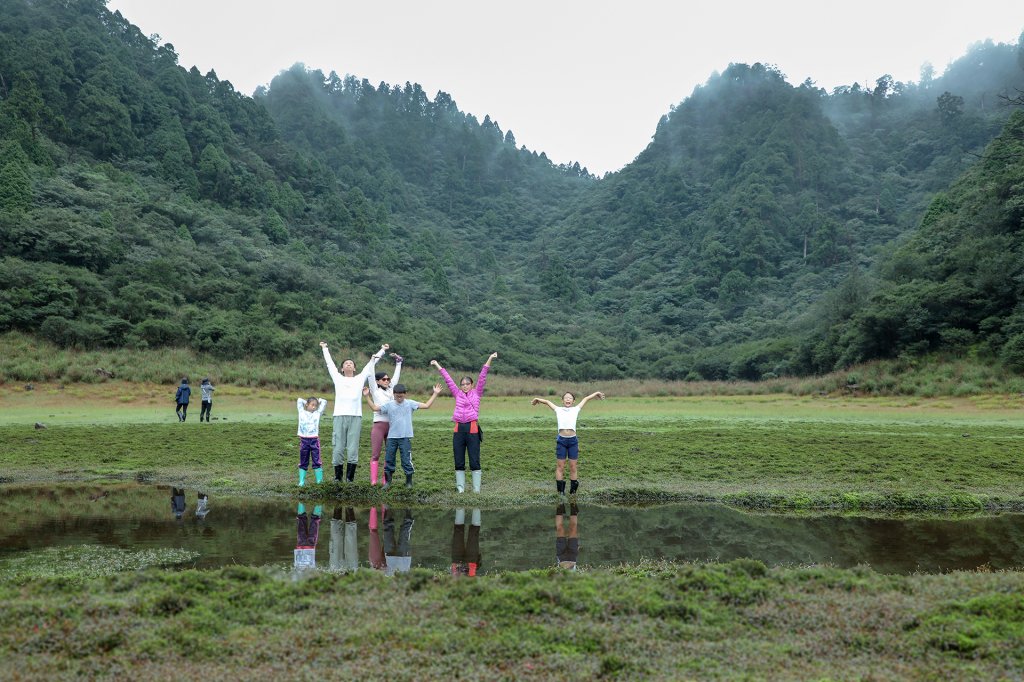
[
  {"x": 560, "y": 509},
  {"x": 302, "y": 477},
  {"x": 318, "y": 511},
  {"x": 337, "y": 471},
  {"x": 350, "y": 515},
  {"x": 573, "y": 509},
  {"x": 460, "y": 481},
  {"x": 319, "y": 473},
  {"x": 475, "y": 518},
  {"x": 476, "y": 481},
  {"x": 350, "y": 473},
  {"x": 339, "y": 513},
  {"x": 374, "y": 468},
  {"x": 460, "y": 517}
]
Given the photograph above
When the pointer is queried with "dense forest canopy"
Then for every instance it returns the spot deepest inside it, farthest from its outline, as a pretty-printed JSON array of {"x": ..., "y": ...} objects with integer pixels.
[{"x": 768, "y": 228}]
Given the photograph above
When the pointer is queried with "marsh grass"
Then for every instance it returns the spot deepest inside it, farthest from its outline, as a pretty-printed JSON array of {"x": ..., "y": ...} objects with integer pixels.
[
  {"x": 82, "y": 562},
  {"x": 652, "y": 620},
  {"x": 29, "y": 360}
]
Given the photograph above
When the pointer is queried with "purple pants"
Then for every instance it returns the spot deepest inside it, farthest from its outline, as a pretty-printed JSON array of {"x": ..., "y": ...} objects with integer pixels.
[
  {"x": 307, "y": 531},
  {"x": 307, "y": 447}
]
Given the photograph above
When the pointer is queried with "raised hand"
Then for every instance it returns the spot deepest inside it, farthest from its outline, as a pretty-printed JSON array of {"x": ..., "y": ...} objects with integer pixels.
[
  {"x": 323, "y": 344},
  {"x": 437, "y": 388},
  {"x": 434, "y": 363}
]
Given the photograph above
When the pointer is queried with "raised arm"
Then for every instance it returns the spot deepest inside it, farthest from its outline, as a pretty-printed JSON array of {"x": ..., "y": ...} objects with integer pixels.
[
  {"x": 541, "y": 401},
  {"x": 444, "y": 375},
  {"x": 300, "y": 403},
  {"x": 372, "y": 362},
  {"x": 398, "y": 368},
  {"x": 322, "y": 407},
  {"x": 595, "y": 394},
  {"x": 430, "y": 400},
  {"x": 369, "y": 400},
  {"x": 482, "y": 379},
  {"x": 331, "y": 367}
]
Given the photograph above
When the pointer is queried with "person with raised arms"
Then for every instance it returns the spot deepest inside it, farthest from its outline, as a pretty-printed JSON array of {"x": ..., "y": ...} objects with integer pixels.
[
  {"x": 348, "y": 410},
  {"x": 567, "y": 445},
  {"x": 381, "y": 392},
  {"x": 467, "y": 434}
]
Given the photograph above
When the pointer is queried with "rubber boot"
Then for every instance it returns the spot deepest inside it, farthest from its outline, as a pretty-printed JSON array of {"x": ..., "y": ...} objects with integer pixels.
[
  {"x": 408, "y": 480},
  {"x": 560, "y": 486},
  {"x": 319, "y": 474},
  {"x": 476, "y": 481},
  {"x": 573, "y": 485},
  {"x": 300, "y": 509},
  {"x": 373, "y": 518},
  {"x": 374, "y": 470},
  {"x": 387, "y": 478},
  {"x": 460, "y": 481},
  {"x": 338, "y": 469},
  {"x": 350, "y": 473},
  {"x": 318, "y": 511},
  {"x": 302, "y": 477}
]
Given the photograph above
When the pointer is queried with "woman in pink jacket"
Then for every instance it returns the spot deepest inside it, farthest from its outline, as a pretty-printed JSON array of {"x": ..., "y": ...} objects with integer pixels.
[{"x": 467, "y": 436}]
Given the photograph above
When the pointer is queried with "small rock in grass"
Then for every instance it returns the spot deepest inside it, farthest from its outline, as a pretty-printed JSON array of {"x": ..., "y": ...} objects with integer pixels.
[{"x": 40, "y": 425}]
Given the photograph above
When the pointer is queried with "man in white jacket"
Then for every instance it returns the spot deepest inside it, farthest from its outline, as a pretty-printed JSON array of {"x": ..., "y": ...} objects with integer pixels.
[{"x": 348, "y": 410}]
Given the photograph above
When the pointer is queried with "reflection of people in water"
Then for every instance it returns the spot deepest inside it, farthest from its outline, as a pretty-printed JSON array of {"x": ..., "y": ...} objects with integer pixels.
[
  {"x": 343, "y": 546},
  {"x": 466, "y": 547},
  {"x": 306, "y": 535},
  {"x": 567, "y": 540},
  {"x": 376, "y": 552},
  {"x": 397, "y": 555},
  {"x": 178, "y": 502},
  {"x": 202, "y": 506}
]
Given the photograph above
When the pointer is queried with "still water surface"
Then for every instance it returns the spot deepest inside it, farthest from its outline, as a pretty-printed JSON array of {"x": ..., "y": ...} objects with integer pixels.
[{"x": 333, "y": 536}]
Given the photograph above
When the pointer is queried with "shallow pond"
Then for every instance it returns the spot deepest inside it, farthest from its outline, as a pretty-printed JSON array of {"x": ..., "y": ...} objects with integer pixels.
[{"x": 261, "y": 532}]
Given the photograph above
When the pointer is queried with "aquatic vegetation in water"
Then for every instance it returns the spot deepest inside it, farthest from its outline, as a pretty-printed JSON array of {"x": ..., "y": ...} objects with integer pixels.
[{"x": 88, "y": 561}]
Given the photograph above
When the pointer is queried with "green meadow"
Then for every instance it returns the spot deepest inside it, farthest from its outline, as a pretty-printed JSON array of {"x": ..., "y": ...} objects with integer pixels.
[
  {"x": 88, "y": 612},
  {"x": 769, "y": 452}
]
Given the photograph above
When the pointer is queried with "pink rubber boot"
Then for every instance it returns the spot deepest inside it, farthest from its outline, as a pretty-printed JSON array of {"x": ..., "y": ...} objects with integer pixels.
[{"x": 374, "y": 466}]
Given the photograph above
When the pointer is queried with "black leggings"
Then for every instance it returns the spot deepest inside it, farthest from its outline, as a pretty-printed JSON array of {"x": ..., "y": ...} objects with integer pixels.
[
  {"x": 205, "y": 409},
  {"x": 182, "y": 410}
]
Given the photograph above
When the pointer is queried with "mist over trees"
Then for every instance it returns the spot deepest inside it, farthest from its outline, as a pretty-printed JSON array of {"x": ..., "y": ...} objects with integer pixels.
[{"x": 767, "y": 229}]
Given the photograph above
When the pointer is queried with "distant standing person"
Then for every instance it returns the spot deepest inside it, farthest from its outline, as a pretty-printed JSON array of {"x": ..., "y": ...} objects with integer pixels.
[
  {"x": 181, "y": 399},
  {"x": 567, "y": 445},
  {"x": 206, "y": 389},
  {"x": 381, "y": 392},
  {"x": 348, "y": 410},
  {"x": 467, "y": 435}
]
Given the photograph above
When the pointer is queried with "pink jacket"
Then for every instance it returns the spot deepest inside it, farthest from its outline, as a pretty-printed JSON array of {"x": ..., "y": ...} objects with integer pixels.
[{"x": 467, "y": 405}]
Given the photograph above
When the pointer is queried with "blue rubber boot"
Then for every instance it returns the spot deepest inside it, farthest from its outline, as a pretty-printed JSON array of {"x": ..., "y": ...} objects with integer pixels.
[
  {"x": 318, "y": 510},
  {"x": 319, "y": 474},
  {"x": 302, "y": 477},
  {"x": 301, "y": 509}
]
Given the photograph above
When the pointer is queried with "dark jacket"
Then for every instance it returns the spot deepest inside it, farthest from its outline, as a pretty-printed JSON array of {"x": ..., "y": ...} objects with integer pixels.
[{"x": 182, "y": 396}]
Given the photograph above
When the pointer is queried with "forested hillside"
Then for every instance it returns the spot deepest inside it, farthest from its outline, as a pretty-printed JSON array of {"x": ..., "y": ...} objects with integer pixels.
[{"x": 146, "y": 205}]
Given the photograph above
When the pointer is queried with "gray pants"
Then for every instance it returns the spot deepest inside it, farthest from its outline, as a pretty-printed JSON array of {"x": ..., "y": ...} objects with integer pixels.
[{"x": 345, "y": 438}]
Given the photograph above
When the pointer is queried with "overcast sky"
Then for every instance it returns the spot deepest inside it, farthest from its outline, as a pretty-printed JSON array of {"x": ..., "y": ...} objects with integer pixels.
[{"x": 580, "y": 80}]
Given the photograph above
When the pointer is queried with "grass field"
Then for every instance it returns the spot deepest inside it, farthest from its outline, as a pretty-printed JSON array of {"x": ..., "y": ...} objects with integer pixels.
[
  {"x": 89, "y": 613},
  {"x": 651, "y": 621},
  {"x": 776, "y": 451}
]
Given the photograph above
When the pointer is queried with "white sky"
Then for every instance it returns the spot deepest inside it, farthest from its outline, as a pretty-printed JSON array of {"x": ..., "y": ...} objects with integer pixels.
[{"x": 582, "y": 80}]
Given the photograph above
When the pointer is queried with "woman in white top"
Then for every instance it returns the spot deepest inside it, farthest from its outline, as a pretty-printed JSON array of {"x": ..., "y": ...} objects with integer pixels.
[
  {"x": 567, "y": 445},
  {"x": 380, "y": 391}
]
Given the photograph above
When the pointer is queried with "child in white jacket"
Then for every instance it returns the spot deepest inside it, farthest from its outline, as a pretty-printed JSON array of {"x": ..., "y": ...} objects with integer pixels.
[{"x": 310, "y": 410}]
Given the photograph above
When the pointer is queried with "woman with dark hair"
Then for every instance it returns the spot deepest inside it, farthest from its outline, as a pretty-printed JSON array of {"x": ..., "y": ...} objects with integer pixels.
[
  {"x": 467, "y": 435},
  {"x": 381, "y": 392}
]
